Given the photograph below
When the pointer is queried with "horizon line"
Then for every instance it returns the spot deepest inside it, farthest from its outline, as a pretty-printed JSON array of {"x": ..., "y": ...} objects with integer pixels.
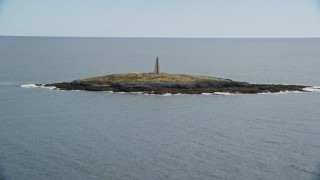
[{"x": 167, "y": 37}]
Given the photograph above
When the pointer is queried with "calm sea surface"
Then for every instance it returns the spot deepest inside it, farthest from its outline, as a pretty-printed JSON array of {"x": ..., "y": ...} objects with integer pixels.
[{"x": 53, "y": 134}]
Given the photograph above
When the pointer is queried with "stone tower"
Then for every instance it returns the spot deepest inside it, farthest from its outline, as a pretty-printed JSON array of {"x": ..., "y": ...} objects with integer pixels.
[{"x": 157, "y": 67}]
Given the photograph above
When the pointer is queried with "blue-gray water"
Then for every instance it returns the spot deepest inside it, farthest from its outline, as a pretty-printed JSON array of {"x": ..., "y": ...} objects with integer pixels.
[{"x": 52, "y": 134}]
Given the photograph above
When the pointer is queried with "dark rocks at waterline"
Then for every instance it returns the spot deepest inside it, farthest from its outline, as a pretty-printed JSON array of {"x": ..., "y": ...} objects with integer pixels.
[{"x": 183, "y": 88}]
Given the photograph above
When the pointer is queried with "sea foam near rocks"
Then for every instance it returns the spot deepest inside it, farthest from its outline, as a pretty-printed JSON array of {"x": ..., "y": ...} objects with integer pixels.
[
  {"x": 37, "y": 86},
  {"x": 28, "y": 86},
  {"x": 224, "y": 93},
  {"x": 312, "y": 89}
]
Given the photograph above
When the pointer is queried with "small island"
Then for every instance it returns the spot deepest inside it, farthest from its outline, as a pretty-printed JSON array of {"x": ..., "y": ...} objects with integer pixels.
[{"x": 162, "y": 83}]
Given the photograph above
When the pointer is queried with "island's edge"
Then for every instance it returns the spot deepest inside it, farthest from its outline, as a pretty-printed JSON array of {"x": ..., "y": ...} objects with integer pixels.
[{"x": 181, "y": 88}]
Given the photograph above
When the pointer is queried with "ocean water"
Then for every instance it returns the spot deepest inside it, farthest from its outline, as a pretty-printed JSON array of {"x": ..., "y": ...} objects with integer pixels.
[{"x": 54, "y": 134}]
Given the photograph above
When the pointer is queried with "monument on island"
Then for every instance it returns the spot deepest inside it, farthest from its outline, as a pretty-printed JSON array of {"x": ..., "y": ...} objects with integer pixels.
[
  {"x": 163, "y": 83},
  {"x": 157, "y": 67}
]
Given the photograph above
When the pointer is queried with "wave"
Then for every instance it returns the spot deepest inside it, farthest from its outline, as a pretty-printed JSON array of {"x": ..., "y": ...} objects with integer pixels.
[
  {"x": 37, "y": 86},
  {"x": 224, "y": 93},
  {"x": 207, "y": 94},
  {"x": 136, "y": 92},
  {"x": 312, "y": 89},
  {"x": 29, "y": 86},
  {"x": 167, "y": 94},
  {"x": 117, "y": 92},
  {"x": 281, "y": 92}
]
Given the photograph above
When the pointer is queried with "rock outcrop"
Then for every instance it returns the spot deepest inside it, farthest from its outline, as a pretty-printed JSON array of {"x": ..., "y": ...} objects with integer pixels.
[{"x": 170, "y": 83}]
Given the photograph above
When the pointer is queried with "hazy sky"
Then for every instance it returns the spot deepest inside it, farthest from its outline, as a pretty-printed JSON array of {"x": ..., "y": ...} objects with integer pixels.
[{"x": 161, "y": 18}]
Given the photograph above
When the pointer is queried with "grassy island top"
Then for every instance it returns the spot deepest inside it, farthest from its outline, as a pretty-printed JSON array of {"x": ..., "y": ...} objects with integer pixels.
[{"x": 137, "y": 77}]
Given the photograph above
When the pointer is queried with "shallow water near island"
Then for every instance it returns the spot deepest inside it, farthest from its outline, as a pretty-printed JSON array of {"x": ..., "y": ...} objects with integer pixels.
[{"x": 54, "y": 134}]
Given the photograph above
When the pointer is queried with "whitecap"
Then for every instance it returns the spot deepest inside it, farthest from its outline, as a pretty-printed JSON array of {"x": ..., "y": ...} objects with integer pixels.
[
  {"x": 312, "y": 89},
  {"x": 29, "y": 86},
  {"x": 119, "y": 92},
  {"x": 136, "y": 93},
  {"x": 179, "y": 94},
  {"x": 295, "y": 91},
  {"x": 286, "y": 92},
  {"x": 37, "y": 86},
  {"x": 265, "y": 93},
  {"x": 207, "y": 94},
  {"x": 47, "y": 87},
  {"x": 281, "y": 92},
  {"x": 224, "y": 93},
  {"x": 167, "y": 94}
]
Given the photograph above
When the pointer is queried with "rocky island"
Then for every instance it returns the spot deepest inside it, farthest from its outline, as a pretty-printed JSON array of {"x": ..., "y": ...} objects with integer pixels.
[{"x": 161, "y": 83}]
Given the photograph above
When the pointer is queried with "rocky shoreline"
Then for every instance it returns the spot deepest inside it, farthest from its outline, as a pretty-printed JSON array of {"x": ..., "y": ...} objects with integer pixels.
[{"x": 175, "y": 88}]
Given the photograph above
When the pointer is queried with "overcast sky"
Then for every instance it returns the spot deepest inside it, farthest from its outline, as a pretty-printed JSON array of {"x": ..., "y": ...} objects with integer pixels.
[{"x": 161, "y": 18}]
